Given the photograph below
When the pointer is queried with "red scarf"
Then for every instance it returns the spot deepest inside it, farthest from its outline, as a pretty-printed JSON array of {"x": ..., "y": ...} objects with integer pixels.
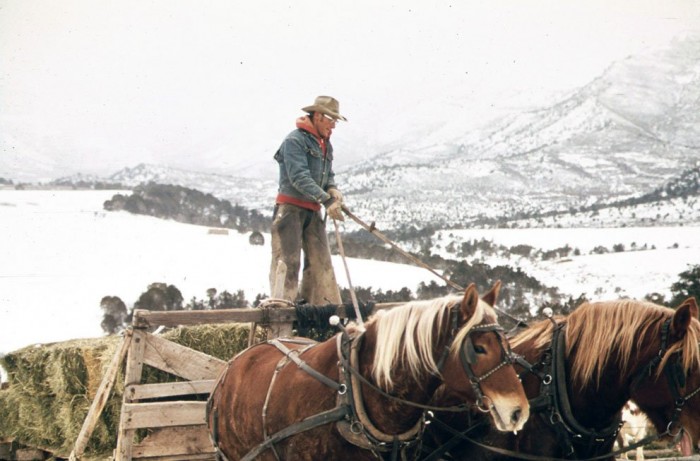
[{"x": 304, "y": 123}]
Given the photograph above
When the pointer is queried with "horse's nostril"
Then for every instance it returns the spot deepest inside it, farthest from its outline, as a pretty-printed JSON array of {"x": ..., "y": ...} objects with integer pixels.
[{"x": 515, "y": 416}]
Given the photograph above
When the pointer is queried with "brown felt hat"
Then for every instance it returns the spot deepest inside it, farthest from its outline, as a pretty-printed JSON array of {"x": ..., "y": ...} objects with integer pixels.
[{"x": 326, "y": 105}]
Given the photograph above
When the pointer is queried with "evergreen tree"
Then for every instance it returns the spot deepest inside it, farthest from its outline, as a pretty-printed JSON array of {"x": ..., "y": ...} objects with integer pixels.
[
  {"x": 688, "y": 285},
  {"x": 115, "y": 314}
]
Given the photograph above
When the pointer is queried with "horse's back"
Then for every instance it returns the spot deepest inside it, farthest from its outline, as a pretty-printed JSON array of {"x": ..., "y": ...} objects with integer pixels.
[{"x": 261, "y": 383}]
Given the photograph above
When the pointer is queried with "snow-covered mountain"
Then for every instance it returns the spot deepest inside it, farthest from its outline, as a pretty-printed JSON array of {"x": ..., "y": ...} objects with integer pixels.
[{"x": 623, "y": 135}]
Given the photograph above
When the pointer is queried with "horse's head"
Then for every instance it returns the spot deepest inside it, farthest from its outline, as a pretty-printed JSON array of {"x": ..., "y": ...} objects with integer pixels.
[
  {"x": 670, "y": 395},
  {"x": 479, "y": 366}
]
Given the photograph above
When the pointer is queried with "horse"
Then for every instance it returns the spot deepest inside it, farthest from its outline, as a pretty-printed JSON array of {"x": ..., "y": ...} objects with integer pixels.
[
  {"x": 578, "y": 371},
  {"x": 363, "y": 393}
]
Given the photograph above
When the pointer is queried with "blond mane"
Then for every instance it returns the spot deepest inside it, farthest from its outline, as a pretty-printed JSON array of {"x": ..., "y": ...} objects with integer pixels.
[
  {"x": 612, "y": 330},
  {"x": 405, "y": 335}
]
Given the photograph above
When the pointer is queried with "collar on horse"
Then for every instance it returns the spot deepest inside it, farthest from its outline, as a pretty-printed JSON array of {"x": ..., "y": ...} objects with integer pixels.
[
  {"x": 352, "y": 420},
  {"x": 554, "y": 406}
]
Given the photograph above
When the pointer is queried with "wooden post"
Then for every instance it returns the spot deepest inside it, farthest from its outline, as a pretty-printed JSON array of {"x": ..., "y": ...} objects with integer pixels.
[
  {"x": 132, "y": 375},
  {"x": 281, "y": 329},
  {"x": 101, "y": 397}
]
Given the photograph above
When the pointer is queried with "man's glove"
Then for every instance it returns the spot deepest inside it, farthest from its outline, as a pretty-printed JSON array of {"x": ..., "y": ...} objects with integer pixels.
[
  {"x": 336, "y": 194},
  {"x": 333, "y": 208}
]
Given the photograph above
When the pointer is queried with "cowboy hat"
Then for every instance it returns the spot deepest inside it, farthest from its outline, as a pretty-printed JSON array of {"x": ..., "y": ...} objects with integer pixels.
[{"x": 326, "y": 105}]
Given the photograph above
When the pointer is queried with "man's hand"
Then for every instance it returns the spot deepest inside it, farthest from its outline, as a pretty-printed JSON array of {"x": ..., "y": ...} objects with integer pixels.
[
  {"x": 333, "y": 208},
  {"x": 336, "y": 194}
]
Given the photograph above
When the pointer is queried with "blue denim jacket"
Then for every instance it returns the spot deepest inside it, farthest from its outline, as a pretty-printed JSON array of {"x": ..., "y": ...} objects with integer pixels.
[{"x": 304, "y": 172}]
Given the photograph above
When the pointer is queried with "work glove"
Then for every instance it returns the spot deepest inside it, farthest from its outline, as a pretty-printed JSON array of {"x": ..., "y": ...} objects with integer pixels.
[
  {"x": 333, "y": 208},
  {"x": 336, "y": 194}
]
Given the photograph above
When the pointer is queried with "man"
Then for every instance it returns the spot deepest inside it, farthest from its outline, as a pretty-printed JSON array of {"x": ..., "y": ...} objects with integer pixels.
[{"x": 306, "y": 184}]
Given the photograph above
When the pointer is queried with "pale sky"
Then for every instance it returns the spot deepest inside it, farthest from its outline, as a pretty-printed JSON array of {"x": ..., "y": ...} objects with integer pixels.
[{"x": 93, "y": 86}]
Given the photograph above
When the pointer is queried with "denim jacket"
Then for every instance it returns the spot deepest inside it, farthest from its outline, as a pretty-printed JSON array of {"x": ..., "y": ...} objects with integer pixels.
[{"x": 304, "y": 172}]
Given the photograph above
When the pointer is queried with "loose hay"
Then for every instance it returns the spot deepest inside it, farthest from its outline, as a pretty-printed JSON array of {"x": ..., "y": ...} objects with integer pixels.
[{"x": 51, "y": 387}]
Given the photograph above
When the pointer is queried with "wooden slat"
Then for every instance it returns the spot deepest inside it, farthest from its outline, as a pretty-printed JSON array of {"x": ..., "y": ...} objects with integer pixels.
[
  {"x": 132, "y": 375},
  {"x": 150, "y": 391},
  {"x": 175, "y": 441},
  {"x": 101, "y": 397},
  {"x": 145, "y": 318},
  {"x": 205, "y": 457},
  {"x": 243, "y": 315},
  {"x": 163, "y": 414},
  {"x": 180, "y": 360}
]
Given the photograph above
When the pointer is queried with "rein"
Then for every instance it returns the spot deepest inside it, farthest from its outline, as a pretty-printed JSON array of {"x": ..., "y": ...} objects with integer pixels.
[
  {"x": 373, "y": 230},
  {"x": 554, "y": 397}
]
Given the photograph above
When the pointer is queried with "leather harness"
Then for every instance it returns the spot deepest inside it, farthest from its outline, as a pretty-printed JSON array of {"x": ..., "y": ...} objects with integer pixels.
[
  {"x": 349, "y": 414},
  {"x": 554, "y": 407}
]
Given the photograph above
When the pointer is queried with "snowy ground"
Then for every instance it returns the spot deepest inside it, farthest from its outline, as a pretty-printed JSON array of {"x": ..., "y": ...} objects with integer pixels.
[
  {"x": 651, "y": 262},
  {"x": 61, "y": 254}
]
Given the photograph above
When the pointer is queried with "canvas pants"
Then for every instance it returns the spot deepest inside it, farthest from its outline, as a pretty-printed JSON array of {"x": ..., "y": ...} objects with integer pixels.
[{"x": 295, "y": 229}]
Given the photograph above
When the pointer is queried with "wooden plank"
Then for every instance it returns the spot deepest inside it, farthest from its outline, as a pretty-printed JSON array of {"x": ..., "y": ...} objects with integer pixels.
[
  {"x": 175, "y": 441},
  {"x": 205, "y": 457},
  {"x": 146, "y": 318},
  {"x": 243, "y": 315},
  {"x": 150, "y": 391},
  {"x": 180, "y": 360},
  {"x": 163, "y": 414},
  {"x": 101, "y": 397},
  {"x": 132, "y": 375}
]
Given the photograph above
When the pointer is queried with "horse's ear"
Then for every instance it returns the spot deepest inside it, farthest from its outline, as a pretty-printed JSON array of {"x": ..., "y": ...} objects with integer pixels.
[
  {"x": 682, "y": 317},
  {"x": 491, "y": 297},
  {"x": 469, "y": 302},
  {"x": 693, "y": 306}
]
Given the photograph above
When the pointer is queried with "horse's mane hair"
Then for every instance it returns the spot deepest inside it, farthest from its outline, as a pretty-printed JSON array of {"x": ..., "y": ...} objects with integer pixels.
[
  {"x": 618, "y": 327},
  {"x": 405, "y": 334}
]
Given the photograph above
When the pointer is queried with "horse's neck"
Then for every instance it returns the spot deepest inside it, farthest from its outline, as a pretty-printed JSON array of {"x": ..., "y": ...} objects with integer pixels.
[
  {"x": 388, "y": 414},
  {"x": 610, "y": 396}
]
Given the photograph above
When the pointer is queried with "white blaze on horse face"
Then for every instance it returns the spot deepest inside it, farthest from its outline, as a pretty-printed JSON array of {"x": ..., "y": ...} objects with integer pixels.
[{"x": 509, "y": 416}]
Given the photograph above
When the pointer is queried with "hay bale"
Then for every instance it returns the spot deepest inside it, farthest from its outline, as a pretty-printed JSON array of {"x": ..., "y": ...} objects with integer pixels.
[{"x": 51, "y": 387}]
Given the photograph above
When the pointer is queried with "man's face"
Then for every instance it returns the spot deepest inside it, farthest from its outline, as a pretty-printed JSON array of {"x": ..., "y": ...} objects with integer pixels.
[{"x": 324, "y": 124}]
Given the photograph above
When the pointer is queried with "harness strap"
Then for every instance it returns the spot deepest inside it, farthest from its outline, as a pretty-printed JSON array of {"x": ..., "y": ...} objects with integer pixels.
[
  {"x": 563, "y": 404},
  {"x": 293, "y": 355},
  {"x": 326, "y": 417}
]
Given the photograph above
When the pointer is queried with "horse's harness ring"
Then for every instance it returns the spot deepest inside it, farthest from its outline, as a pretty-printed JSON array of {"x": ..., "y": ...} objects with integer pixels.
[
  {"x": 350, "y": 410},
  {"x": 560, "y": 416}
]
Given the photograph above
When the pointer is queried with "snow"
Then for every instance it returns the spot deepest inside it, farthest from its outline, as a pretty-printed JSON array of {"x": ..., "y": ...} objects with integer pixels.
[
  {"x": 650, "y": 263},
  {"x": 63, "y": 253}
]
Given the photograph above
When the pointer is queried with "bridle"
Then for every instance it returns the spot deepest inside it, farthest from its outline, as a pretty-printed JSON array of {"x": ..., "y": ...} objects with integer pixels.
[
  {"x": 675, "y": 377},
  {"x": 554, "y": 401},
  {"x": 468, "y": 357}
]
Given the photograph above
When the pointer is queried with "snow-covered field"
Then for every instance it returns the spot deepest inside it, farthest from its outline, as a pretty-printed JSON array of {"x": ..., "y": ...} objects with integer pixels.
[
  {"x": 61, "y": 254},
  {"x": 651, "y": 261}
]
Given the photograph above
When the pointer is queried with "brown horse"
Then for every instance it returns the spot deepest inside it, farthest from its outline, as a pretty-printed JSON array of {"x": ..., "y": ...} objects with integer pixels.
[
  {"x": 361, "y": 394},
  {"x": 584, "y": 368}
]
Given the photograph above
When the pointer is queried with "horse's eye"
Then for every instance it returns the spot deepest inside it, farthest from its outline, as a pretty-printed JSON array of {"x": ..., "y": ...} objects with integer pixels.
[{"x": 479, "y": 349}]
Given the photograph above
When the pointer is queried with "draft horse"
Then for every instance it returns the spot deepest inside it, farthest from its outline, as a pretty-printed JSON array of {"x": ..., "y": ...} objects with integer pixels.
[
  {"x": 362, "y": 394},
  {"x": 578, "y": 371}
]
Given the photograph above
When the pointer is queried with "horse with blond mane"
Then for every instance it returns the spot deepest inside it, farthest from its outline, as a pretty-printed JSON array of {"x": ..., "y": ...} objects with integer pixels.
[
  {"x": 362, "y": 394},
  {"x": 578, "y": 372}
]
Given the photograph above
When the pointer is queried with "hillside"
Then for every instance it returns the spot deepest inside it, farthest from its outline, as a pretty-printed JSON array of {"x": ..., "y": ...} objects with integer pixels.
[{"x": 623, "y": 134}]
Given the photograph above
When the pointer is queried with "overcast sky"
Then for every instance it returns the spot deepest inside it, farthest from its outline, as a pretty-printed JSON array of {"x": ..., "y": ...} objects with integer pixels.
[{"x": 95, "y": 85}]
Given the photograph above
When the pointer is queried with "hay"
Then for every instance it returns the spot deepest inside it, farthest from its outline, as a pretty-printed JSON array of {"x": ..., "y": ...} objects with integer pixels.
[{"x": 51, "y": 387}]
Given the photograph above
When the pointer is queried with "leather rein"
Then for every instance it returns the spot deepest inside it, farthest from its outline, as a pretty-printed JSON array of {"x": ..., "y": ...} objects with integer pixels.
[
  {"x": 554, "y": 406},
  {"x": 349, "y": 414}
]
